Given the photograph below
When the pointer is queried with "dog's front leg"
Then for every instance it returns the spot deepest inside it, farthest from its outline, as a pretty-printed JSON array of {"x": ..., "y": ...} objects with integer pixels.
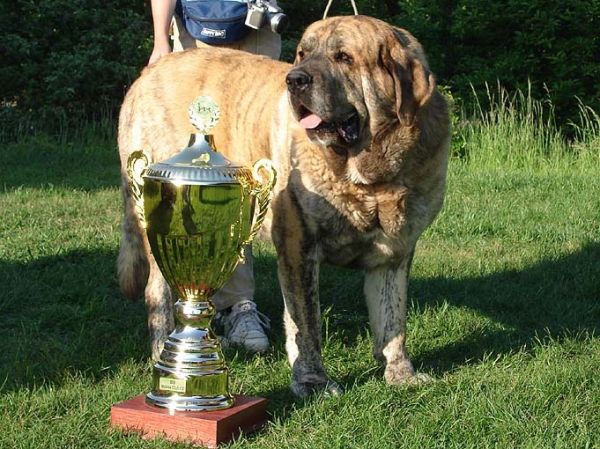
[
  {"x": 302, "y": 319},
  {"x": 386, "y": 291},
  {"x": 298, "y": 270}
]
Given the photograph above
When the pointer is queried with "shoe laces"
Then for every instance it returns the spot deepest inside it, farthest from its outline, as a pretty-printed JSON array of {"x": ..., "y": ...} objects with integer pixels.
[{"x": 246, "y": 311}]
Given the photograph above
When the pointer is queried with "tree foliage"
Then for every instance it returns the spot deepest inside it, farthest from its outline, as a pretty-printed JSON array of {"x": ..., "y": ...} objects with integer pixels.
[
  {"x": 552, "y": 45},
  {"x": 76, "y": 58},
  {"x": 73, "y": 57}
]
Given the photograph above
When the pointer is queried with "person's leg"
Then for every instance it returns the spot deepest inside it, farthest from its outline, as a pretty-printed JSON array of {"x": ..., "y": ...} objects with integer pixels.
[
  {"x": 239, "y": 287},
  {"x": 181, "y": 38},
  {"x": 262, "y": 42},
  {"x": 244, "y": 324}
]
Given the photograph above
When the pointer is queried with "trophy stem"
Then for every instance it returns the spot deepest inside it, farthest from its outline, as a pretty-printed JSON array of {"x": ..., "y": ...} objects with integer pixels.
[{"x": 191, "y": 374}]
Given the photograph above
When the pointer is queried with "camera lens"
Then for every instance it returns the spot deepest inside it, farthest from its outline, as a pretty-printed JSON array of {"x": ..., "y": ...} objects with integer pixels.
[{"x": 279, "y": 23}]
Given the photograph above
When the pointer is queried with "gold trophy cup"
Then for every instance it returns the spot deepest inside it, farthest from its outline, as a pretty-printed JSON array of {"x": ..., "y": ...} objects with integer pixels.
[{"x": 199, "y": 212}]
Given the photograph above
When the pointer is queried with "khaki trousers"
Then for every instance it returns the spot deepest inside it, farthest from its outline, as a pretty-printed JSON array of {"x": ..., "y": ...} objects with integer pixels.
[{"x": 259, "y": 42}]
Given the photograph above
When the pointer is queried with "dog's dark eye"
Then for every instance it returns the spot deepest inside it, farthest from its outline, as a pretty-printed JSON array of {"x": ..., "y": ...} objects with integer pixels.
[
  {"x": 300, "y": 54},
  {"x": 343, "y": 57}
]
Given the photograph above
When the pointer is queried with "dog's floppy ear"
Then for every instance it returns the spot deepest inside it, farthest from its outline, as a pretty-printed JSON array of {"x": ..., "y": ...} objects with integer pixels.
[{"x": 413, "y": 82}]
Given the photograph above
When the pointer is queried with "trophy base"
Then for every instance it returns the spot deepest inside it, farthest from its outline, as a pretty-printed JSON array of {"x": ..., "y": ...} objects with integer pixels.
[
  {"x": 191, "y": 403},
  {"x": 207, "y": 428}
]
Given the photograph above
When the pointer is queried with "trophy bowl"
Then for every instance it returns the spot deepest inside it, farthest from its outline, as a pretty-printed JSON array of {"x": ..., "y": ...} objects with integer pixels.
[{"x": 199, "y": 211}]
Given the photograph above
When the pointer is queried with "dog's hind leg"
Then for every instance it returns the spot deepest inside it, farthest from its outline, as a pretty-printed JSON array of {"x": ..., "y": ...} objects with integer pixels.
[
  {"x": 138, "y": 272},
  {"x": 132, "y": 263},
  {"x": 386, "y": 291},
  {"x": 159, "y": 306}
]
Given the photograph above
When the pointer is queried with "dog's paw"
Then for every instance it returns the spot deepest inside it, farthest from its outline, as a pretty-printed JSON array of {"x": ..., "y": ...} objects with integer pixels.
[
  {"x": 404, "y": 374},
  {"x": 420, "y": 378},
  {"x": 399, "y": 373},
  {"x": 327, "y": 386}
]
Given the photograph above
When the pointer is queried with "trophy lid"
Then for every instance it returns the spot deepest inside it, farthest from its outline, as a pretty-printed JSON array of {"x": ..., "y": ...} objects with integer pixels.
[{"x": 198, "y": 163}]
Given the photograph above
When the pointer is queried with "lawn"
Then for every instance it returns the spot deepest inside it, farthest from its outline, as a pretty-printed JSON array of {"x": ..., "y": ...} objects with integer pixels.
[{"x": 504, "y": 312}]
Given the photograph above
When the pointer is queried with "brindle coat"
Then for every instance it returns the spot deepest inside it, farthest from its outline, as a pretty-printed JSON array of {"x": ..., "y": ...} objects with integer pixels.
[{"x": 359, "y": 135}]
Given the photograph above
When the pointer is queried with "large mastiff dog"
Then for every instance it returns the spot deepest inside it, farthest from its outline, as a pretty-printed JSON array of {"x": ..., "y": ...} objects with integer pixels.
[{"x": 359, "y": 135}]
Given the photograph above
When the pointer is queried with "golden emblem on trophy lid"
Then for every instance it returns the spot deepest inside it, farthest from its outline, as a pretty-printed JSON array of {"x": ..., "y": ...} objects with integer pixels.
[{"x": 204, "y": 114}]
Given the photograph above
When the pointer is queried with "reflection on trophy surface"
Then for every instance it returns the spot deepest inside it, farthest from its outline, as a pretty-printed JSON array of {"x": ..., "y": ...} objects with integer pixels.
[{"x": 198, "y": 209}]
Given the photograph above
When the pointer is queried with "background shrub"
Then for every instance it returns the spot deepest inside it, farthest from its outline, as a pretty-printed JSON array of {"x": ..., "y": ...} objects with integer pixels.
[
  {"x": 64, "y": 60},
  {"x": 70, "y": 58},
  {"x": 551, "y": 47}
]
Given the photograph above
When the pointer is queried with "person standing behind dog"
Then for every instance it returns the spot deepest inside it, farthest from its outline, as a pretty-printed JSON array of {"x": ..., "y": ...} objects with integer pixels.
[
  {"x": 260, "y": 42},
  {"x": 244, "y": 324}
]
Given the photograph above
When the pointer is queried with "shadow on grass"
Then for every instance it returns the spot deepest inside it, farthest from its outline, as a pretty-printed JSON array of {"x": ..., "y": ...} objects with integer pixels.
[
  {"x": 552, "y": 299},
  {"x": 64, "y": 314},
  {"x": 38, "y": 161}
]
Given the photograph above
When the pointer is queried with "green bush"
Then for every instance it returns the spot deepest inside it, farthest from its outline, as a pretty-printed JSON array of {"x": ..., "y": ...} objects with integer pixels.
[
  {"x": 554, "y": 46},
  {"x": 69, "y": 58},
  {"x": 61, "y": 59}
]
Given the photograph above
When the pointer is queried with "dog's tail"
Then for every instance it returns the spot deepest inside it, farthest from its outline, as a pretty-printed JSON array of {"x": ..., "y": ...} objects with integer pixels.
[{"x": 132, "y": 264}]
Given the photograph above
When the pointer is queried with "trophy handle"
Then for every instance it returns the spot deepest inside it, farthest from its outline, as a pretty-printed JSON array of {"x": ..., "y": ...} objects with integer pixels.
[
  {"x": 137, "y": 164},
  {"x": 263, "y": 194}
]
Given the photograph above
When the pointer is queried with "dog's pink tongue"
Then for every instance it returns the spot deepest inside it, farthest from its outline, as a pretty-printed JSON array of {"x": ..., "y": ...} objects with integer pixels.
[{"x": 310, "y": 121}]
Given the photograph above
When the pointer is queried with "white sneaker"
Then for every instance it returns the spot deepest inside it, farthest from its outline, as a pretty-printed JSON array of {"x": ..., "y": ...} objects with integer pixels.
[{"x": 245, "y": 326}]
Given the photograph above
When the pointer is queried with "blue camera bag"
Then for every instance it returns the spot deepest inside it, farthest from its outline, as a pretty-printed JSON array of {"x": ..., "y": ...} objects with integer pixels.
[{"x": 215, "y": 21}]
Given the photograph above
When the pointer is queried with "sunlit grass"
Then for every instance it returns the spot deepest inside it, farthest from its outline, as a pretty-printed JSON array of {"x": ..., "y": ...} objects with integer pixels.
[
  {"x": 516, "y": 131},
  {"x": 504, "y": 309}
]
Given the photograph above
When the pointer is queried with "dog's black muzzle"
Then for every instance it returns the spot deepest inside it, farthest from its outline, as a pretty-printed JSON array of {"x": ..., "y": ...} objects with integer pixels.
[{"x": 298, "y": 81}]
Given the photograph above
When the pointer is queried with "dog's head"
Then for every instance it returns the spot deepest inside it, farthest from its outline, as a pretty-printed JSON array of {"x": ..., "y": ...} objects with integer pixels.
[{"x": 356, "y": 81}]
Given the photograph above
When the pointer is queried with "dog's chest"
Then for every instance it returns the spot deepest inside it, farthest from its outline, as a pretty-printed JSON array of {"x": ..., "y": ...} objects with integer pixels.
[{"x": 360, "y": 226}]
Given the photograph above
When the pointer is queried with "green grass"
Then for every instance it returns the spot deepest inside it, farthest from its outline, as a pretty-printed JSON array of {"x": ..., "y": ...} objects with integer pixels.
[{"x": 504, "y": 312}]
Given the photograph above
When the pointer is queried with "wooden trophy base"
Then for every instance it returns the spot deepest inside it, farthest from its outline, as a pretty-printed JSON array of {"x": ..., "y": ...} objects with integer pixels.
[{"x": 206, "y": 428}]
